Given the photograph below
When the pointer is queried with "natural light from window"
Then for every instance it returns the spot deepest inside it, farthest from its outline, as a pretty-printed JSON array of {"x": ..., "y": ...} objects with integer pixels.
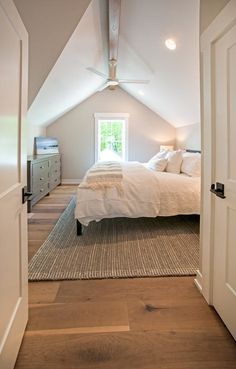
[{"x": 111, "y": 138}]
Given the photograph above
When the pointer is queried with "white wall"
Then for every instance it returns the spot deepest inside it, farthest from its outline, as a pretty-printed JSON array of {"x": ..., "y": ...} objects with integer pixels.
[
  {"x": 189, "y": 137},
  {"x": 33, "y": 131},
  {"x": 75, "y": 131}
]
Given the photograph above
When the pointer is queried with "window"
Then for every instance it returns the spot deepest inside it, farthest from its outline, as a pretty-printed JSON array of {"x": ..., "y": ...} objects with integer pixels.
[{"x": 111, "y": 136}]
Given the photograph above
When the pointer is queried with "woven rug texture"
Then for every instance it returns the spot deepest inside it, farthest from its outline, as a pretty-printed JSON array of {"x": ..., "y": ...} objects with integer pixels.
[{"x": 118, "y": 248}]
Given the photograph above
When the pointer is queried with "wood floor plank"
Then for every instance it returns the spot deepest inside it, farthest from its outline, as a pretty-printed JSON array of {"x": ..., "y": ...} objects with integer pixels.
[
  {"x": 50, "y": 209},
  {"x": 66, "y": 191},
  {"x": 38, "y": 235},
  {"x": 58, "y": 196},
  {"x": 172, "y": 314},
  {"x": 182, "y": 288},
  {"x": 78, "y": 315},
  {"x": 43, "y": 292},
  {"x": 46, "y": 215},
  {"x": 43, "y": 221},
  {"x": 129, "y": 350},
  {"x": 36, "y": 227},
  {"x": 52, "y": 200},
  {"x": 34, "y": 244},
  {"x": 79, "y": 330},
  {"x": 49, "y": 205}
]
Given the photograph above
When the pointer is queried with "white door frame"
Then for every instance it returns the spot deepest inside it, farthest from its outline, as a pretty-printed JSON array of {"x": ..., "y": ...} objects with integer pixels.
[{"x": 225, "y": 20}]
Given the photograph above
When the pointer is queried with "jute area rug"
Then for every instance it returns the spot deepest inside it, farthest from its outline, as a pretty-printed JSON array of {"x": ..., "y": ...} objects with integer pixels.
[{"x": 118, "y": 248}]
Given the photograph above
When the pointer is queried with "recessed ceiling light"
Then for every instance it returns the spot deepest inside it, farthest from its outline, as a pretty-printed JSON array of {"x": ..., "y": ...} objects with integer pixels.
[
  {"x": 112, "y": 82},
  {"x": 141, "y": 92},
  {"x": 170, "y": 44}
]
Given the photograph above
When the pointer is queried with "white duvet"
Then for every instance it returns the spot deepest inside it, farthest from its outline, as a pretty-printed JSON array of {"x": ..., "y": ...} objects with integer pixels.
[{"x": 146, "y": 194}]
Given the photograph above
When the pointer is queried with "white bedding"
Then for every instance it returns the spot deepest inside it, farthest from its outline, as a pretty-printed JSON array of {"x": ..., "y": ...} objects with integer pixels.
[{"x": 146, "y": 194}]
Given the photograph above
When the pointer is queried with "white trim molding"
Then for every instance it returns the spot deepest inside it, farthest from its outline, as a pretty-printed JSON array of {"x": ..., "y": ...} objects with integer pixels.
[
  {"x": 101, "y": 116},
  {"x": 198, "y": 280}
]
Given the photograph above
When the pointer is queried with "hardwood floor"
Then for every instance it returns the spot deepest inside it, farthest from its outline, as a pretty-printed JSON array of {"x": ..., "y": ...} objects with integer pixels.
[{"x": 146, "y": 323}]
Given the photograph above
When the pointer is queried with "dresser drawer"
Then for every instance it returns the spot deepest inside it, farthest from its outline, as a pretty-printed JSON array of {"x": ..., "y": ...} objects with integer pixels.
[
  {"x": 55, "y": 170},
  {"x": 41, "y": 183},
  {"x": 39, "y": 180},
  {"x": 54, "y": 160},
  {"x": 54, "y": 181},
  {"x": 40, "y": 191},
  {"x": 40, "y": 170}
]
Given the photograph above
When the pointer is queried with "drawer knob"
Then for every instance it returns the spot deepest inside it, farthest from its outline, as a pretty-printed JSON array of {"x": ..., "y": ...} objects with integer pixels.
[
  {"x": 42, "y": 167},
  {"x": 41, "y": 189},
  {"x": 41, "y": 178}
]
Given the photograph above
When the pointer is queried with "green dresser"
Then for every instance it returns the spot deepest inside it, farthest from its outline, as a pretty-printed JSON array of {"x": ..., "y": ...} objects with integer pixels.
[{"x": 43, "y": 175}]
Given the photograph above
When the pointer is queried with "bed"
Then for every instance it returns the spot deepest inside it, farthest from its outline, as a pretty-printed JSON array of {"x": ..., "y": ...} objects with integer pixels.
[{"x": 145, "y": 193}]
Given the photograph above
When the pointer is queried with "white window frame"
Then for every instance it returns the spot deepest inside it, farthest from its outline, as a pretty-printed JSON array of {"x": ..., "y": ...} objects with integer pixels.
[{"x": 107, "y": 116}]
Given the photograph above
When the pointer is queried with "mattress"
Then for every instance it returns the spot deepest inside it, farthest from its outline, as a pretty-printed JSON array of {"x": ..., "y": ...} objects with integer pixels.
[{"x": 146, "y": 193}]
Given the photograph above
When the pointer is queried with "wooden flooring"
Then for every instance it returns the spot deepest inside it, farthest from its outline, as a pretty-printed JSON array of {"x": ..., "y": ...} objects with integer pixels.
[{"x": 146, "y": 323}]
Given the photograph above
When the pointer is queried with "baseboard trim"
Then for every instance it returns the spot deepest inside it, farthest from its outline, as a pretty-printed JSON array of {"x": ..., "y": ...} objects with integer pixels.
[
  {"x": 71, "y": 181},
  {"x": 198, "y": 280}
]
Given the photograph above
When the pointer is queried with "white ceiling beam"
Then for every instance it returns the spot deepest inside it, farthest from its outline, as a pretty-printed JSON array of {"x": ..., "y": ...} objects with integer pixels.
[{"x": 114, "y": 26}]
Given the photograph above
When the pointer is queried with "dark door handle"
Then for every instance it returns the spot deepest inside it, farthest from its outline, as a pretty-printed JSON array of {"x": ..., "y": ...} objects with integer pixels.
[
  {"x": 218, "y": 189},
  {"x": 25, "y": 194}
]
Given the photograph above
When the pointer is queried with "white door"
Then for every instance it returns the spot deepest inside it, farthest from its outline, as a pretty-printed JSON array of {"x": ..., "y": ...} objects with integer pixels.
[
  {"x": 13, "y": 217},
  {"x": 224, "y": 117}
]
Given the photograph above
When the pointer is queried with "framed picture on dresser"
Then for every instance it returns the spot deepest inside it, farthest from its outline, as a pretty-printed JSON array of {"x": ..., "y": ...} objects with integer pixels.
[{"x": 46, "y": 145}]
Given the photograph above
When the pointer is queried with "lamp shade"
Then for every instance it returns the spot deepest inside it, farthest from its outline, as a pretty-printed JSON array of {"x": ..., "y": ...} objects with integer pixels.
[{"x": 166, "y": 147}]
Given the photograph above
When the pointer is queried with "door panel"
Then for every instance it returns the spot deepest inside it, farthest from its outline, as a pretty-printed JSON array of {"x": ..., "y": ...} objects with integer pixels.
[
  {"x": 9, "y": 95},
  {"x": 10, "y": 285},
  {"x": 231, "y": 251},
  {"x": 232, "y": 111},
  {"x": 224, "y": 280},
  {"x": 13, "y": 216}
]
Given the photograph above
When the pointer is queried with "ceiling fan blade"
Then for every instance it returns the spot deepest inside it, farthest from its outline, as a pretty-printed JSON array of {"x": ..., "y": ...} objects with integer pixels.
[
  {"x": 103, "y": 87},
  {"x": 97, "y": 72},
  {"x": 133, "y": 81}
]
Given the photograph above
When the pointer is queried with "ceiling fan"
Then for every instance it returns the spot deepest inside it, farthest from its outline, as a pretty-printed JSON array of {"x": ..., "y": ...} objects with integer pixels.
[
  {"x": 114, "y": 25},
  {"x": 112, "y": 81}
]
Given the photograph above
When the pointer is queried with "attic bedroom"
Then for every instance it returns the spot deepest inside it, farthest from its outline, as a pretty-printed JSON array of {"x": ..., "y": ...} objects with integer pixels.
[
  {"x": 111, "y": 98},
  {"x": 114, "y": 256}
]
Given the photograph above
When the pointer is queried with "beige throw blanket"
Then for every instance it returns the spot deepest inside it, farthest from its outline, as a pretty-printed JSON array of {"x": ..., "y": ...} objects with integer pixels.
[{"x": 104, "y": 175}]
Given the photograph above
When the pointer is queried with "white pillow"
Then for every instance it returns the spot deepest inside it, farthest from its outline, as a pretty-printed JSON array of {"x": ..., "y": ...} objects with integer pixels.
[
  {"x": 158, "y": 165},
  {"x": 191, "y": 164},
  {"x": 160, "y": 155},
  {"x": 174, "y": 161}
]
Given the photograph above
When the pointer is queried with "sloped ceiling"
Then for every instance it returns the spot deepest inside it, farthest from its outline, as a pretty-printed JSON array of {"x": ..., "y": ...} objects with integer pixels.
[
  {"x": 69, "y": 83},
  {"x": 173, "y": 91},
  {"x": 50, "y": 24}
]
